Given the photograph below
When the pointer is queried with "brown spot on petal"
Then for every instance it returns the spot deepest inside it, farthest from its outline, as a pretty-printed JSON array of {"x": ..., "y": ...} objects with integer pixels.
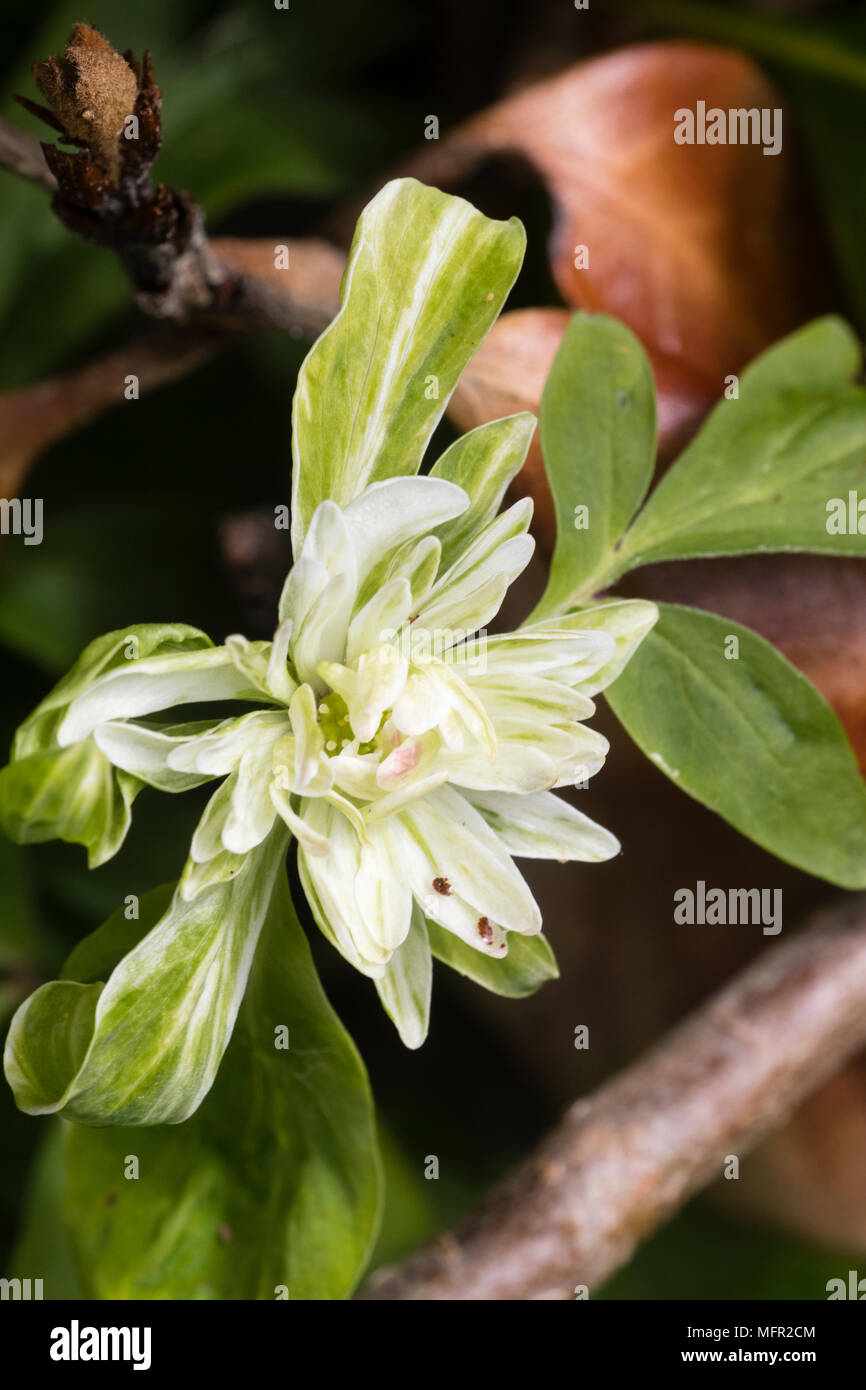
[
  {"x": 442, "y": 886},
  {"x": 485, "y": 930}
]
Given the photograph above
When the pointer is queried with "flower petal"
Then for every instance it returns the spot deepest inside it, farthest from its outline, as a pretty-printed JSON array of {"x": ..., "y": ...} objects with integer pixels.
[
  {"x": 144, "y": 751},
  {"x": 406, "y": 985},
  {"x": 443, "y": 838},
  {"x": 389, "y": 513},
  {"x": 544, "y": 826},
  {"x": 322, "y": 633},
  {"x": 154, "y": 683},
  {"x": 252, "y": 813},
  {"x": 625, "y": 621},
  {"x": 380, "y": 619},
  {"x": 219, "y": 750},
  {"x": 359, "y": 902},
  {"x": 312, "y": 840}
]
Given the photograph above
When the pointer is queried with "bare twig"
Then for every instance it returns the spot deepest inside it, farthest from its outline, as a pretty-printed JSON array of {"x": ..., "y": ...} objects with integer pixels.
[
  {"x": 300, "y": 300},
  {"x": 623, "y": 1161},
  {"x": 35, "y": 417},
  {"x": 204, "y": 292},
  {"x": 108, "y": 106}
]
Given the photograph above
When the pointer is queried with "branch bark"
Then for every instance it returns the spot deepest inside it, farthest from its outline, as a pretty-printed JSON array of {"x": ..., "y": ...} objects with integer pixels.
[
  {"x": 623, "y": 1161},
  {"x": 301, "y": 301},
  {"x": 103, "y": 191}
]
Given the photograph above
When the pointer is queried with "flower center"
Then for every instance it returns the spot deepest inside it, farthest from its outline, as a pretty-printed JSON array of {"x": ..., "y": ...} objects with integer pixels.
[
  {"x": 336, "y": 728},
  {"x": 334, "y": 723}
]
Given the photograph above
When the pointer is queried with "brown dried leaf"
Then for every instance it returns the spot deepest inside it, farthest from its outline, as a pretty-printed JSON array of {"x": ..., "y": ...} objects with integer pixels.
[{"x": 695, "y": 247}]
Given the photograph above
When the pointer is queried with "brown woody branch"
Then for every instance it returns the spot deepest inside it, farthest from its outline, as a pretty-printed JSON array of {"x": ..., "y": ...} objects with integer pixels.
[
  {"x": 33, "y": 418},
  {"x": 204, "y": 292},
  {"x": 108, "y": 107},
  {"x": 623, "y": 1161}
]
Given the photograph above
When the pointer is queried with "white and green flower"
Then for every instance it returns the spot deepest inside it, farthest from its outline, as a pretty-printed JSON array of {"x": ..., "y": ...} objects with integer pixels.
[{"x": 410, "y": 756}]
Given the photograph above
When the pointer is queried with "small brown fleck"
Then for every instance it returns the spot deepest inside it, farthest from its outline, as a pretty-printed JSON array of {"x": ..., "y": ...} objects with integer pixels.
[
  {"x": 442, "y": 886},
  {"x": 226, "y": 1234},
  {"x": 485, "y": 930},
  {"x": 110, "y": 1199}
]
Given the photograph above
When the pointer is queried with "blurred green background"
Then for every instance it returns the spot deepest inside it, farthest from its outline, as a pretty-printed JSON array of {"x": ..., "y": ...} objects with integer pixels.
[{"x": 271, "y": 119}]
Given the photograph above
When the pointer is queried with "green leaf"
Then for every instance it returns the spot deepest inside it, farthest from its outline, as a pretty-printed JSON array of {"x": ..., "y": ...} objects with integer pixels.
[
  {"x": 529, "y": 964},
  {"x": 426, "y": 277},
  {"x": 72, "y": 791},
  {"x": 749, "y": 737},
  {"x": 145, "y": 1047},
  {"x": 764, "y": 467},
  {"x": 71, "y": 794},
  {"x": 274, "y": 1181},
  {"x": 598, "y": 438},
  {"x": 43, "y": 1249},
  {"x": 482, "y": 462}
]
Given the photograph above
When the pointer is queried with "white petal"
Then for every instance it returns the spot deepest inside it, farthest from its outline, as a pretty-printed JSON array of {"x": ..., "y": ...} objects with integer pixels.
[
  {"x": 626, "y": 621},
  {"x": 380, "y": 620},
  {"x": 460, "y": 612},
  {"x": 544, "y": 826},
  {"x": 144, "y": 752},
  {"x": 383, "y": 896},
  {"x": 311, "y": 764},
  {"x": 355, "y": 773},
  {"x": 444, "y": 837},
  {"x": 358, "y": 899},
  {"x": 490, "y": 550},
  {"x": 280, "y": 683},
  {"x": 406, "y": 985},
  {"x": 252, "y": 812},
  {"x": 527, "y": 652},
  {"x": 417, "y": 561},
  {"x": 422, "y": 702},
  {"x": 402, "y": 796},
  {"x": 220, "y": 750},
  {"x": 469, "y": 715},
  {"x": 351, "y": 813},
  {"x": 312, "y": 841},
  {"x": 151, "y": 684},
  {"x": 322, "y": 633},
  {"x": 327, "y": 552},
  {"x": 382, "y": 675},
  {"x": 207, "y": 840},
  {"x": 410, "y": 759},
  {"x": 388, "y": 513},
  {"x": 251, "y": 659},
  {"x": 533, "y": 697},
  {"x": 517, "y": 767}
]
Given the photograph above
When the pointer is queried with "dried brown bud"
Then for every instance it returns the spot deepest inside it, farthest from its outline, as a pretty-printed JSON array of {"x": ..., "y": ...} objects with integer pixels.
[{"x": 91, "y": 91}]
